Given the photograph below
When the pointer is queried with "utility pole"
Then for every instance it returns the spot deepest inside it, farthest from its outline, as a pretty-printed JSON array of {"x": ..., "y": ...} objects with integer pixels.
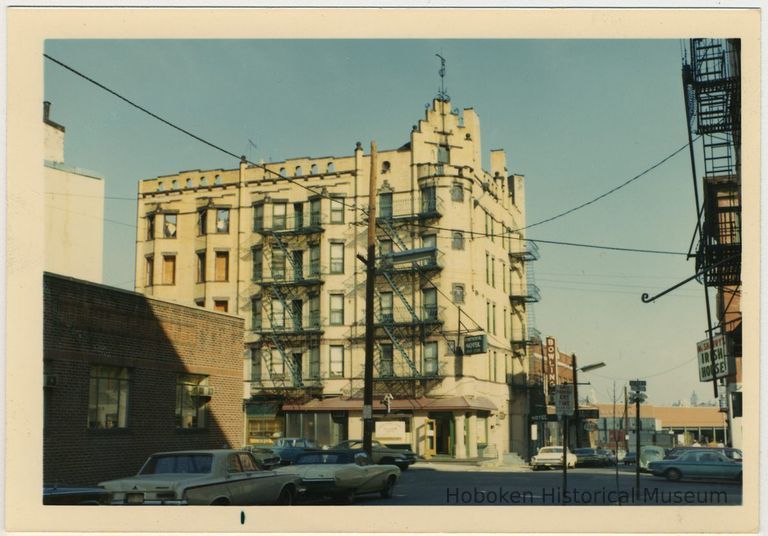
[
  {"x": 576, "y": 399},
  {"x": 370, "y": 274},
  {"x": 626, "y": 422},
  {"x": 637, "y": 441}
]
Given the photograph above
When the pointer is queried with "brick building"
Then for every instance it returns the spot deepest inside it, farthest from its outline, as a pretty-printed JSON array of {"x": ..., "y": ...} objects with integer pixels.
[{"x": 126, "y": 376}]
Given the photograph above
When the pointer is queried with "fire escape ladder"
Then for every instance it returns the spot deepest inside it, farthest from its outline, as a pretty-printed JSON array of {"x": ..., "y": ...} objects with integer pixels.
[
  {"x": 387, "y": 224},
  {"x": 400, "y": 349},
  {"x": 400, "y": 295}
]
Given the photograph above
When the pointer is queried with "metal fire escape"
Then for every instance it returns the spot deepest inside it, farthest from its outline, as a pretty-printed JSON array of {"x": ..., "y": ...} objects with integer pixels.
[
  {"x": 288, "y": 333},
  {"x": 521, "y": 295},
  {"x": 712, "y": 83},
  {"x": 401, "y": 326}
]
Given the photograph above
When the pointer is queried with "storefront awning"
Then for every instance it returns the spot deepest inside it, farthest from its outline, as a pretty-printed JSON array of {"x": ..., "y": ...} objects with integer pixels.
[{"x": 456, "y": 403}]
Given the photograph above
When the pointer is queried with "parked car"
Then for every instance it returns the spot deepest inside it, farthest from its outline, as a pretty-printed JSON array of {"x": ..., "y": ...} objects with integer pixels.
[
  {"x": 607, "y": 456},
  {"x": 382, "y": 454},
  {"x": 630, "y": 458},
  {"x": 342, "y": 474},
  {"x": 289, "y": 448},
  {"x": 697, "y": 463},
  {"x": 732, "y": 453},
  {"x": 217, "y": 477},
  {"x": 552, "y": 457},
  {"x": 265, "y": 457},
  {"x": 648, "y": 454},
  {"x": 587, "y": 457},
  {"x": 73, "y": 495}
]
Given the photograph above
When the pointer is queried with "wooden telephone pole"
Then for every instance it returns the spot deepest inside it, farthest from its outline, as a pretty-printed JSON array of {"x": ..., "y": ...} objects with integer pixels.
[{"x": 370, "y": 281}]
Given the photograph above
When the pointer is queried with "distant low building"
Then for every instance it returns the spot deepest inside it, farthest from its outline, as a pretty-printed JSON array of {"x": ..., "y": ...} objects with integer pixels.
[
  {"x": 74, "y": 210},
  {"x": 126, "y": 375}
]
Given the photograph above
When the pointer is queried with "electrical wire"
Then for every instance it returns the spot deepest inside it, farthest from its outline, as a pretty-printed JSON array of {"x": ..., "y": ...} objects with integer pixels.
[
  {"x": 647, "y": 376},
  {"x": 196, "y": 137}
]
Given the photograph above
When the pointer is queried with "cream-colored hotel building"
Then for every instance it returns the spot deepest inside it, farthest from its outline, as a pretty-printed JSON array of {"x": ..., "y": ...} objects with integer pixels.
[{"x": 277, "y": 244}]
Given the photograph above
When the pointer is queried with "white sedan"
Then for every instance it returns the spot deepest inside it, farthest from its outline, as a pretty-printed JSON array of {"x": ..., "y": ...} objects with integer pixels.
[
  {"x": 217, "y": 477},
  {"x": 552, "y": 457},
  {"x": 342, "y": 474}
]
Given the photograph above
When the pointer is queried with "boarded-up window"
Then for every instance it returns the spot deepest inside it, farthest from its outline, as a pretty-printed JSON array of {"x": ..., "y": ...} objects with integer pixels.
[
  {"x": 222, "y": 266},
  {"x": 221, "y": 305},
  {"x": 169, "y": 269}
]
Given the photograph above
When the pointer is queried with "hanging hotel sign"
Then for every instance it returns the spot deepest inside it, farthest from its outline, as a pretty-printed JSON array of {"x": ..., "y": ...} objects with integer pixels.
[
  {"x": 723, "y": 365},
  {"x": 475, "y": 344}
]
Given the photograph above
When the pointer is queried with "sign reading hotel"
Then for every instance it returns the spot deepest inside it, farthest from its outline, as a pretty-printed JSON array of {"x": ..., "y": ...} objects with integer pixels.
[
  {"x": 723, "y": 365},
  {"x": 475, "y": 344},
  {"x": 392, "y": 430}
]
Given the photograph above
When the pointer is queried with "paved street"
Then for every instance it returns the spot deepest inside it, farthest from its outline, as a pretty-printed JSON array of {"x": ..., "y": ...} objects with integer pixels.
[{"x": 436, "y": 484}]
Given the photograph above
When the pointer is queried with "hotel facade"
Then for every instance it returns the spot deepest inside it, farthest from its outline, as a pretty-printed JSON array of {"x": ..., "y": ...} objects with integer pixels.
[{"x": 278, "y": 245}]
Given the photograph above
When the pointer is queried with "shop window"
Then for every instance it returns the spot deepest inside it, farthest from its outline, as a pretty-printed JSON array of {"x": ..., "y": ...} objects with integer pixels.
[
  {"x": 192, "y": 398},
  {"x": 337, "y": 258},
  {"x": 222, "y": 220},
  {"x": 336, "y": 309},
  {"x": 337, "y": 209},
  {"x": 169, "y": 269},
  {"x": 108, "y": 397},
  {"x": 201, "y": 266},
  {"x": 222, "y": 266},
  {"x": 337, "y": 361}
]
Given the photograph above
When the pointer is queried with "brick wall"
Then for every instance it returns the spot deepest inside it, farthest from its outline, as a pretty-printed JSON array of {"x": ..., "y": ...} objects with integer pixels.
[{"x": 88, "y": 324}]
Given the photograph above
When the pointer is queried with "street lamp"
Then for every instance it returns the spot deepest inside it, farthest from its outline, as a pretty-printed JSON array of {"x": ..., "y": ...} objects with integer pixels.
[{"x": 585, "y": 368}]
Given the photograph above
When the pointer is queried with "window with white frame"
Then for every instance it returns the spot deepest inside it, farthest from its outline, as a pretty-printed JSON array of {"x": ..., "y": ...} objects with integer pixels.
[
  {"x": 430, "y": 358},
  {"x": 337, "y": 257},
  {"x": 337, "y": 209},
  {"x": 336, "y": 360},
  {"x": 279, "y": 216},
  {"x": 336, "y": 317}
]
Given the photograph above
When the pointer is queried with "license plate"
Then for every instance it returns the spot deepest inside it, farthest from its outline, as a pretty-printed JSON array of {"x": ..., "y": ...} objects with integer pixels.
[{"x": 134, "y": 498}]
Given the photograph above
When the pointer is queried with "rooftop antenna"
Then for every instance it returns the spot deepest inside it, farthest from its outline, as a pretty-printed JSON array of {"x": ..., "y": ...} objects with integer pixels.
[{"x": 442, "y": 94}]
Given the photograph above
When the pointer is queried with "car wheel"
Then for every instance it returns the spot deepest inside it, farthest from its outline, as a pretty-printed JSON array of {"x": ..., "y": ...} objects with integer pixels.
[
  {"x": 287, "y": 496},
  {"x": 389, "y": 488},
  {"x": 221, "y": 501},
  {"x": 673, "y": 474}
]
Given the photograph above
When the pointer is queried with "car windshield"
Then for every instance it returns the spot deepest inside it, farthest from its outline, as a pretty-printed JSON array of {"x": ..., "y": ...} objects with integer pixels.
[
  {"x": 178, "y": 463},
  {"x": 324, "y": 458},
  {"x": 551, "y": 450}
]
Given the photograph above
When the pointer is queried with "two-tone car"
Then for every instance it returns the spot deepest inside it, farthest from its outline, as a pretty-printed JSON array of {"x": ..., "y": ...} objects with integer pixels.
[
  {"x": 342, "y": 474},
  {"x": 382, "y": 454},
  {"x": 204, "y": 477},
  {"x": 699, "y": 464},
  {"x": 548, "y": 457}
]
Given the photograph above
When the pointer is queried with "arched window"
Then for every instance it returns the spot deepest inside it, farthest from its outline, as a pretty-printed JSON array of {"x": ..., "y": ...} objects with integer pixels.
[
  {"x": 174, "y": 184},
  {"x": 458, "y": 240},
  {"x": 283, "y": 173},
  {"x": 203, "y": 181},
  {"x": 217, "y": 180},
  {"x": 385, "y": 167},
  {"x": 297, "y": 172},
  {"x": 160, "y": 186},
  {"x": 331, "y": 168},
  {"x": 189, "y": 183},
  {"x": 313, "y": 169}
]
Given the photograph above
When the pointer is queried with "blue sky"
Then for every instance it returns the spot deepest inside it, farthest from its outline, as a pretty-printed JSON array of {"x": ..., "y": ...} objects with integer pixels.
[{"x": 577, "y": 118}]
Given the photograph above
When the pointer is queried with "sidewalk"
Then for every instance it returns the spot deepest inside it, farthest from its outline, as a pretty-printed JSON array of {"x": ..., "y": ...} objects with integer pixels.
[{"x": 505, "y": 465}]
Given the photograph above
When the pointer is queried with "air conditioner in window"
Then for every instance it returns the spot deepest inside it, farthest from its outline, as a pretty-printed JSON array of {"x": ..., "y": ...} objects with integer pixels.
[
  {"x": 49, "y": 380},
  {"x": 202, "y": 391}
]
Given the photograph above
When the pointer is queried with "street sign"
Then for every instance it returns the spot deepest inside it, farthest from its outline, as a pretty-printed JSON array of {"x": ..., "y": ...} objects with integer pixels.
[
  {"x": 563, "y": 396},
  {"x": 723, "y": 365},
  {"x": 475, "y": 344},
  {"x": 637, "y": 385}
]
